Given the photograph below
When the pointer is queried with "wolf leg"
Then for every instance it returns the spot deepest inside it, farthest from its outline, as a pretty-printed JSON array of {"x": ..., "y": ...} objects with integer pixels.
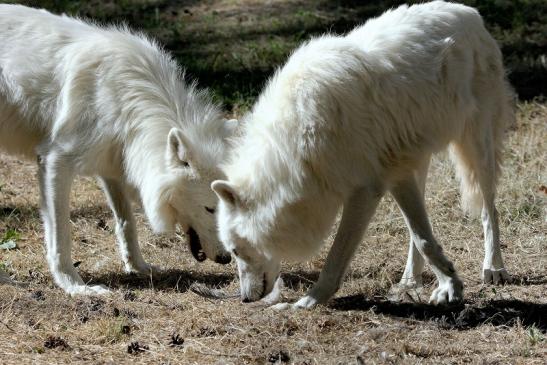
[
  {"x": 410, "y": 201},
  {"x": 126, "y": 233},
  {"x": 56, "y": 173},
  {"x": 412, "y": 276},
  {"x": 358, "y": 209},
  {"x": 478, "y": 154},
  {"x": 493, "y": 268}
]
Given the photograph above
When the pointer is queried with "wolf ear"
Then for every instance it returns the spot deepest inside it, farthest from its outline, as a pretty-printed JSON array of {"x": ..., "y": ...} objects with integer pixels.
[
  {"x": 225, "y": 192},
  {"x": 177, "y": 153}
]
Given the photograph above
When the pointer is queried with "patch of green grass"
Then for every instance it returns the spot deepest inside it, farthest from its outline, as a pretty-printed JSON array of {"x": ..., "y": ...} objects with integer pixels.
[
  {"x": 4, "y": 266},
  {"x": 11, "y": 234},
  {"x": 529, "y": 206},
  {"x": 535, "y": 336},
  {"x": 9, "y": 240}
]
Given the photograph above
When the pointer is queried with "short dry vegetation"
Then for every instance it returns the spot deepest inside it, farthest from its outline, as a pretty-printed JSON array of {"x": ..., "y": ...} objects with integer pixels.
[{"x": 159, "y": 320}]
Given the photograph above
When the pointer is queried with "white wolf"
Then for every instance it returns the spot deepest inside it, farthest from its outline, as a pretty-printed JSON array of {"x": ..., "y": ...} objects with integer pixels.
[
  {"x": 349, "y": 118},
  {"x": 108, "y": 103}
]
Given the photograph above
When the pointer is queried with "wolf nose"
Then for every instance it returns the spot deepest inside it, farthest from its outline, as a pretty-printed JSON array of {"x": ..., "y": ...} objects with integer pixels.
[
  {"x": 223, "y": 259},
  {"x": 246, "y": 300}
]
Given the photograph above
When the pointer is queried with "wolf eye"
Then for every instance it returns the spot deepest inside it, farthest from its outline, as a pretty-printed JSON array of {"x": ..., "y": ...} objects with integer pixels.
[
  {"x": 210, "y": 210},
  {"x": 234, "y": 251}
]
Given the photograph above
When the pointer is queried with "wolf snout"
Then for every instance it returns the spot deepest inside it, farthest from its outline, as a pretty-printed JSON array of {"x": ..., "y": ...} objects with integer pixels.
[{"x": 255, "y": 293}]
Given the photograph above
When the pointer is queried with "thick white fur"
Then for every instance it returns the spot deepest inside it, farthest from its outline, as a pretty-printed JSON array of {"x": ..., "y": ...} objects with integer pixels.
[
  {"x": 349, "y": 118},
  {"x": 109, "y": 103}
]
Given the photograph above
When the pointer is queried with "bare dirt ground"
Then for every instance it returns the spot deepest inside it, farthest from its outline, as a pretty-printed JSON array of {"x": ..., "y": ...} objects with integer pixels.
[{"x": 158, "y": 320}]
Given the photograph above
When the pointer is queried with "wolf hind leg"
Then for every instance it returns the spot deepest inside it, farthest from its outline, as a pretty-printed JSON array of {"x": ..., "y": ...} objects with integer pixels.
[{"x": 477, "y": 158}]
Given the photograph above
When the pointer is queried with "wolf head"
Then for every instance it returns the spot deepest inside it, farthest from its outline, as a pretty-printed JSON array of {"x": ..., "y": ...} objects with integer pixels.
[
  {"x": 261, "y": 236},
  {"x": 183, "y": 195},
  {"x": 261, "y": 233},
  {"x": 258, "y": 268}
]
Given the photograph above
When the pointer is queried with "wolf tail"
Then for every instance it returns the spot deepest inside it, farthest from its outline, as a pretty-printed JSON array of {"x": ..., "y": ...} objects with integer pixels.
[{"x": 477, "y": 154}]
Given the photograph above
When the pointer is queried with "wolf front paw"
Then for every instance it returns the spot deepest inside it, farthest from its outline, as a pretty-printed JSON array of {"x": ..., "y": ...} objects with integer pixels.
[
  {"x": 495, "y": 276},
  {"x": 306, "y": 302},
  {"x": 282, "y": 306},
  {"x": 68, "y": 279},
  {"x": 88, "y": 290},
  {"x": 450, "y": 291},
  {"x": 142, "y": 268}
]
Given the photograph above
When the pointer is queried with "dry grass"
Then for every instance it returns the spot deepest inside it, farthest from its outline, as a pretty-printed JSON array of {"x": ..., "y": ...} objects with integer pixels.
[{"x": 40, "y": 324}]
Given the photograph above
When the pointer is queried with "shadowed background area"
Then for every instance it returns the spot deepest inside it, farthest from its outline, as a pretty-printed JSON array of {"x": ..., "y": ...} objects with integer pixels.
[{"x": 232, "y": 47}]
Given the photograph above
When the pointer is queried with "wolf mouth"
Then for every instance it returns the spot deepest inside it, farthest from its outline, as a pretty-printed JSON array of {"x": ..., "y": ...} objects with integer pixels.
[{"x": 195, "y": 246}]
